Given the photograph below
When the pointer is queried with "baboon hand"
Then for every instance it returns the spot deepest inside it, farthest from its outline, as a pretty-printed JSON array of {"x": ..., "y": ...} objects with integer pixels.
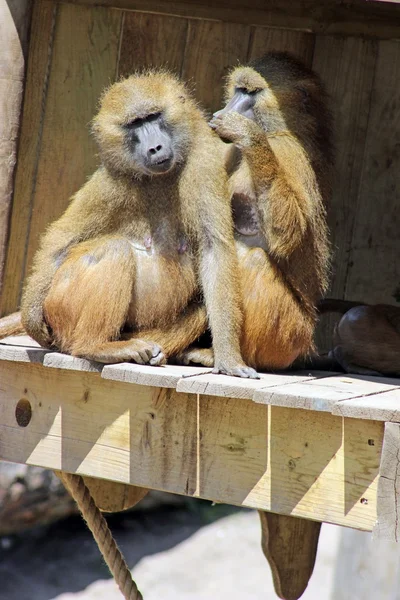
[
  {"x": 235, "y": 369},
  {"x": 235, "y": 128}
]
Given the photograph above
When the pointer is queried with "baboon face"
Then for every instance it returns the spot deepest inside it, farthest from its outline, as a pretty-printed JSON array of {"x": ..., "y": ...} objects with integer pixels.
[
  {"x": 278, "y": 92},
  {"x": 145, "y": 125}
]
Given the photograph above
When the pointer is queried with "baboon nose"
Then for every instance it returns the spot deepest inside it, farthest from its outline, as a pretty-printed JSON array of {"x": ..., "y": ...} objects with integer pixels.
[{"x": 155, "y": 149}]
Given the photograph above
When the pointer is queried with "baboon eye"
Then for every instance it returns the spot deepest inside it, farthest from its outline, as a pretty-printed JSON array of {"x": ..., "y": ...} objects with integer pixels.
[{"x": 140, "y": 120}]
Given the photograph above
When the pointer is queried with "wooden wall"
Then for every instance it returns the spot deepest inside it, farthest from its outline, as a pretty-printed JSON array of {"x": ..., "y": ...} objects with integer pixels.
[{"x": 76, "y": 50}]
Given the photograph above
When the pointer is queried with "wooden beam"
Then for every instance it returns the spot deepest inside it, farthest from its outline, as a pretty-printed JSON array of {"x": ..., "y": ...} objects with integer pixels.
[
  {"x": 356, "y": 17},
  {"x": 388, "y": 523},
  {"x": 302, "y": 463}
]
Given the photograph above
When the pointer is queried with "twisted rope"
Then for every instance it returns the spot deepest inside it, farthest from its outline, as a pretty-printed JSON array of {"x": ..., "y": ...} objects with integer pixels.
[{"x": 102, "y": 534}]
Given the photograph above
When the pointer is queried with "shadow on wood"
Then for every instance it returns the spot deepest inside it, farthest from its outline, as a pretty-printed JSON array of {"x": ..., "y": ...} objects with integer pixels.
[{"x": 290, "y": 546}]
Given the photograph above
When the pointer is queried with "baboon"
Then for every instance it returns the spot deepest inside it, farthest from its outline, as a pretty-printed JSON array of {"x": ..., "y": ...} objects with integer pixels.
[
  {"x": 120, "y": 275},
  {"x": 279, "y": 163},
  {"x": 366, "y": 340}
]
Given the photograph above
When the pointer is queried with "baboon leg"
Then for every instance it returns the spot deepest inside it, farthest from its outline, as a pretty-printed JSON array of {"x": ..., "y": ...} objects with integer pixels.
[
  {"x": 176, "y": 337},
  {"x": 88, "y": 301},
  {"x": 195, "y": 355}
]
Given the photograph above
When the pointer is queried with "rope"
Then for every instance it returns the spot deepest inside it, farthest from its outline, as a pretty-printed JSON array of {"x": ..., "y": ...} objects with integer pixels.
[{"x": 102, "y": 534}]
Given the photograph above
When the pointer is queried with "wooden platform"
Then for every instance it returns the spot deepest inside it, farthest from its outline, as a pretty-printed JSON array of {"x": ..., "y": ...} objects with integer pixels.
[{"x": 187, "y": 431}]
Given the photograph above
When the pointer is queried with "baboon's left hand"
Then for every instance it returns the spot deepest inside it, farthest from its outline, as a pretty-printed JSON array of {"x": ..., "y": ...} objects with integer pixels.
[{"x": 235, "y": 128}]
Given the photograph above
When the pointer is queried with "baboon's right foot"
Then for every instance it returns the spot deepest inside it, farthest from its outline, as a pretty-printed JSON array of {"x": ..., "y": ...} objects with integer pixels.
[{"x": 135, "y": 350}]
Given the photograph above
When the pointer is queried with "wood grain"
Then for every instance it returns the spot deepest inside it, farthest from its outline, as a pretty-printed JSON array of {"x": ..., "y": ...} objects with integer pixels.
[
  {"x": 150, "y": 41},
  {"x": 40, "y": 52},
  {"x": 211, "y": 50},
  {"x": 299, "y": 43},
  {"x": 388, "y": 523},
  {"x": 380, "y": 407},
  {"x": 347, "y": 67},
  {"x": 373, "y": 19},
  {"x": 14, "y": 25},
  {"x": 290, "y": 546},
  {"x": 288, "y": 461},
  {"x": 374, "y": 268}
]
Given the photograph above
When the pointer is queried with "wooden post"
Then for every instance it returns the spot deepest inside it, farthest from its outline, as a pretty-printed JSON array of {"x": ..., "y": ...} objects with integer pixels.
[{"x": 290, "y": 546}]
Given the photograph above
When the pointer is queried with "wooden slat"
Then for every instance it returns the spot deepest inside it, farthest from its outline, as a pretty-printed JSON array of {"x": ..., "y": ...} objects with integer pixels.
[
  {"x": 14, "y": 26},
  {"x": 323, "y": 394},
  {"x": 307, "y": 464},
  {"x": 19, "y": 340},
  {"x": 152, "y": 41},
  {"x": 299, "y": 43},
  {"x": 40, "y": 52},
  {"x": 55, "y": 360},
  {"x": 388, "y": 519},
  {"x": 360, "y": 17},
  {"x": 380, "y": 407},
  {"x": 56, "y": 155},
  {"x": 166, "y": 377},
  {"x": 235, "y": 387},
  {"x": 20, "y": 353},
  {"x": 374, "y": 268},
  {"x": 211, "y": 49},
  {"x": 347, "y": 67}
]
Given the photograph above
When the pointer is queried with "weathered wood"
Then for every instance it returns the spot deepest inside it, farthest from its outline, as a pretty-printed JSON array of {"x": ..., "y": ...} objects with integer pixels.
[
  {"x": 40, "y": 49},
  {"x": 167, "y": 377},
  {"x": 211, "y": 49},
  {"x": 360, "y": 17},
  {"x": 374, "y": 268},
  {"x": 379, "y": 407},
  {"x": 346, "y": 67},
  {"x": 14, "y": 25},
  {"x": 323, "y": 394},
  {"x": 64, "y": 83},
  {"x": 264, "y": 39},
  {"x": 290, "y": 546},
  {"x": 388, "y": 523},
  {"x": 301, "y": 463},
  {"x": 111, "y": 496},
  {"x": 150, "y": 41},
  {"x": 65, "y": 361},
  {"x": 235, "y": 387}
]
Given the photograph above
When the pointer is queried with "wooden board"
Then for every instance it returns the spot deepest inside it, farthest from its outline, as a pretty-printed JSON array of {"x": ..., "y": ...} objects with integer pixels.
[
  {"x": 360, "y": 17},
  {"x": 347, "y": 67},
  {"x": 374, "y": 268},
  {"x": 299, "y": 43},
  {"x": 388, "y": 523},
  {"x": 64, "y": 82},
  {"x": 301, "y": 463}
]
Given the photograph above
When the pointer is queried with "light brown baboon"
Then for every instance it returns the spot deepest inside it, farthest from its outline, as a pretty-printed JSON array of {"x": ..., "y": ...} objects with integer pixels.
[
  {"x": 119, "y": 276},
  {"x": 367, "y": 338},
  {"x": 280, "y": 165}
]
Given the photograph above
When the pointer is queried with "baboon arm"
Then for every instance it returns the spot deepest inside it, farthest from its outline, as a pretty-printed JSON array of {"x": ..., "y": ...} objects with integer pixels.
[{"x": 283, "y": 193}]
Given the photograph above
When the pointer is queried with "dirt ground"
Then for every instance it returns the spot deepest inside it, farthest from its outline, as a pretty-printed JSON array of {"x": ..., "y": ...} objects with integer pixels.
[{"x": 194, "y": 552}]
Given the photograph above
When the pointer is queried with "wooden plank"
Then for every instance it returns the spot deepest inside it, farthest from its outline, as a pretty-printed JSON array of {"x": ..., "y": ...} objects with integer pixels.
[
  {"x": 19, "y": 340},
  {"x": 211, "y": 49},
  {"x": 374, "y": 268},
  {"x": 63, "y": 86},
  {"x": 373, "y": 19},
  {"x": 14, "y": 26},
  {"x": 111, "y": 496},
  {"x": 306, "y": 464},
  {"x": 40, "y": 52},
  {"x": 167, "y": 376},
  {"x": 152, "y": 41},
  {"x": 299, "y": 43},
  {"x": 347, "y": 67},
  {"x": 22, "y": 353},
  {"x": 55, "y": 360},
  {"x": 323, "y": 394},
  {"x": 380, "y": 407},
  {"x": 290, "y": 546},
  {"x": 388, "y": 522},
  {"x": 235, "y": 387}
]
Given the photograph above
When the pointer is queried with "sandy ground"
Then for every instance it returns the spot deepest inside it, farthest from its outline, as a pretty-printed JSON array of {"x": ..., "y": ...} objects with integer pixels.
[{"x": 177, "y": 554}]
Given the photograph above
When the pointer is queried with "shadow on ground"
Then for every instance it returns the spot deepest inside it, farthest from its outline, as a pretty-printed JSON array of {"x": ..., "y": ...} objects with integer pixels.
[{"x": 63, "y": 557}]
